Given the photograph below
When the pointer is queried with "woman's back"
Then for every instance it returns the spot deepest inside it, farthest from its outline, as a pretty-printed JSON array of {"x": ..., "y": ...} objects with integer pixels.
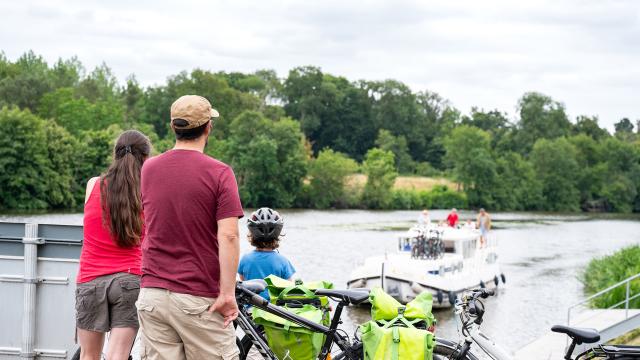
[{"x": 100, "y": 254}]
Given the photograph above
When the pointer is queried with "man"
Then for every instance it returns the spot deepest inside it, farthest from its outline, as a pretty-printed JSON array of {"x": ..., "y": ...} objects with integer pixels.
[
  {"x": 483, "y": 222},
  {"x": 191, "y": 249},
  {"x": 452, "y": 218}
]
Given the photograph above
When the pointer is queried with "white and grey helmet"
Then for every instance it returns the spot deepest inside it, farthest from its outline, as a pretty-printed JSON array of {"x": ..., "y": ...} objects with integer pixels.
[{"x": 265, "y": 224}]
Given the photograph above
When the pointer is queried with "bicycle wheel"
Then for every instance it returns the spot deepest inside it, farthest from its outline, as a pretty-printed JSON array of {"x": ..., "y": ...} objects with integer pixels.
[{"x": 447, "y": 350}]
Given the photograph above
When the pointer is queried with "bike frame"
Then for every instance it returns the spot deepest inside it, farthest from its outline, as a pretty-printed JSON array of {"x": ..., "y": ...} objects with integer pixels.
[
  {"x": 472, "y": 334},
  {"x": 332, "y": 336}
]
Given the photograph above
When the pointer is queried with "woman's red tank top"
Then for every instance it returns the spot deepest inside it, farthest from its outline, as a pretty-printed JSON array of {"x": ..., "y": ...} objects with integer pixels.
[{"x": 100, "y": 254}]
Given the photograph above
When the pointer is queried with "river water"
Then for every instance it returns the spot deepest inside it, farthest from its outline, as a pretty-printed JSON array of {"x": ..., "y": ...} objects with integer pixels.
[{"x": 541, "y": 255}]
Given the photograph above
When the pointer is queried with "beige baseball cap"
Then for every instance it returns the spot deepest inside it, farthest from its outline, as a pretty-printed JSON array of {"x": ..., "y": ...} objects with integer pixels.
[{"x": 194, "y": 109}]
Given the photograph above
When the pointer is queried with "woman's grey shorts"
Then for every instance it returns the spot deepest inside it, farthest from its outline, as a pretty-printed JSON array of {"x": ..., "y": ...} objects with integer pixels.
[{"x": 108, "y": 302}]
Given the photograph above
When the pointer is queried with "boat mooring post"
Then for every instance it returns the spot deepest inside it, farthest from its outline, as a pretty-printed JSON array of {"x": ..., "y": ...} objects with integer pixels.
[{"x": 30, "y": 279}]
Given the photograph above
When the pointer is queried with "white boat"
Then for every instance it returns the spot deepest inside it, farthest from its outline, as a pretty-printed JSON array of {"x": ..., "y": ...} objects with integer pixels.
[{"x": 459, "y": 264}]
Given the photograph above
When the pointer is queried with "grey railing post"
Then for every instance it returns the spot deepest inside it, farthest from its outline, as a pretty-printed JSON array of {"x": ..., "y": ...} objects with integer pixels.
[
  {"x": 30, "y": 242},
  {"x": 626, "y": 302}
]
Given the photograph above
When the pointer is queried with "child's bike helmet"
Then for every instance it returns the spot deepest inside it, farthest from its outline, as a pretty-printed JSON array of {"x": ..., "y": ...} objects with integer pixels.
[{"x": 265, "y": 224}]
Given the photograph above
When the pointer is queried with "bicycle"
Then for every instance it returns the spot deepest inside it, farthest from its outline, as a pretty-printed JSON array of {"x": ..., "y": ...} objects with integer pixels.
[
  {"x": 246, "y": 295},
  {"x": 469, "y": 310}
]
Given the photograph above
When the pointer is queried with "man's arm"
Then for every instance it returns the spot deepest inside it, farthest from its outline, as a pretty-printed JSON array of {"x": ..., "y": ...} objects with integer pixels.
[{"x": 228, "y": 253}]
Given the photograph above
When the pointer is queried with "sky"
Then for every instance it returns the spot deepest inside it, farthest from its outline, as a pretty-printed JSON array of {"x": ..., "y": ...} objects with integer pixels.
[{"x": 583, "y": 53}]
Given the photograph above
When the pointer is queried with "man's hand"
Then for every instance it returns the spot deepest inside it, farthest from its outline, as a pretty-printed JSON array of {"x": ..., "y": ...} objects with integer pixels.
[{"x": 227, "y": 307}]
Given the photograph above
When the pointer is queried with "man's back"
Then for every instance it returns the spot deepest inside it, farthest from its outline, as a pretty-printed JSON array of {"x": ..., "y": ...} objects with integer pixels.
[{"x": 184, "y": 194}]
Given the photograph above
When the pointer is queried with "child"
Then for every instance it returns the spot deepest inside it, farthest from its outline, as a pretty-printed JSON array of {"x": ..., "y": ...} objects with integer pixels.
[{"x": 265, "y": 226}]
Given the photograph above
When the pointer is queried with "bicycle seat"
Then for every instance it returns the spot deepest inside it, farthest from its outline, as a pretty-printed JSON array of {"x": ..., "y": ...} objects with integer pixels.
[
  {"x": 353, "y": 297},
  {"x": 581, "y": 335},
  {"x": 255, "y": 286}
]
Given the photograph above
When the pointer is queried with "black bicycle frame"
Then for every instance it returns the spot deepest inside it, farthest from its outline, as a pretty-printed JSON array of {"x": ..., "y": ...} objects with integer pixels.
[{"x": 332, "y": 336}]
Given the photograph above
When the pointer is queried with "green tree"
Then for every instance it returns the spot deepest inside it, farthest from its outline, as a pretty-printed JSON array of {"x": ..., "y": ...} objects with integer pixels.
[
  {"x": 77, "y": 114},
  {"x": 328, "y": 173},
  {"x": 592, "y": 171},
  {"x": 268, "y": 157},
  {"x": 469, "y": 155},
  {"x": 540, "y": 118},
  {"x": 589, "y": 126},
  {"x": 25, "y": 82},
  {"x": 556, "y": 165},
  {"x": 35, "y": 162},
  {"x": 624, "y": 126},
  {"x": 518, "y": 186},
  {"x": 379, "y": 165},
  {"x": 228, "y": 101},
  {"x": 398, "y": 146}
]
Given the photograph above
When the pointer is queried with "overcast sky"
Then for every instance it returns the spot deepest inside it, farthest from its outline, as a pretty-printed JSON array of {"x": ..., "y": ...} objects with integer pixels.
[{"x": 583, "y": 53}]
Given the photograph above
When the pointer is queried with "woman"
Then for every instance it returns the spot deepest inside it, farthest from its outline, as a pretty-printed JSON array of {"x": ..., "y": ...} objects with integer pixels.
[{"x": 109, "y": 276}]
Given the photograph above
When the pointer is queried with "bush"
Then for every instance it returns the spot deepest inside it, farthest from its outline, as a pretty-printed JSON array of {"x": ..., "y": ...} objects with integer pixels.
[
  {"x": 405, "y": 200},
  {"x": 608, "y": 270},
  {"x": 444, "y": 198}
]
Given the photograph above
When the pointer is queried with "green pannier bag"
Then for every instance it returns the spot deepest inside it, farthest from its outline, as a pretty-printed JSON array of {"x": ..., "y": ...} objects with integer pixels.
[
  {"x": 393, "y": 332},
  {"x": 289, "y": 340},
  {"x": 294, "y": 294},
  {"x": 394, "y": 342},
  {"x": 385, "y": 307}
]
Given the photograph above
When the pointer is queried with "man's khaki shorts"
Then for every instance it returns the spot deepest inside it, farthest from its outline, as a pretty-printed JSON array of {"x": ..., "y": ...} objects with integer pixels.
[
  {"x": 107, "y": 302},
  {"x": 177, "y": 326}
]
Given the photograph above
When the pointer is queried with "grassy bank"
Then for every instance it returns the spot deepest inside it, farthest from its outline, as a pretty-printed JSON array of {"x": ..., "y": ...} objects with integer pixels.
[
  {"x": 608, "y": 270},
  {"x": 418, "y": 183}
]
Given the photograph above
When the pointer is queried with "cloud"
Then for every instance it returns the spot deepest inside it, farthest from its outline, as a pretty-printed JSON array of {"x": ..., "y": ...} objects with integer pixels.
[{"x": 584, "y": 53}]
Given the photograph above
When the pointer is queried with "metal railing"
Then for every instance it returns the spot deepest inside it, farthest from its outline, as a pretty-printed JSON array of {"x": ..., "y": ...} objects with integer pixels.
[{"x": 628, "y": 297}]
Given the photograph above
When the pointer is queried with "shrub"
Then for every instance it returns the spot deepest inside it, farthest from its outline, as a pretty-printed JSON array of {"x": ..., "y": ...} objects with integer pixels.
[
  {"x": 444, "y": 198},
  {"x": 608, "y": 270}
]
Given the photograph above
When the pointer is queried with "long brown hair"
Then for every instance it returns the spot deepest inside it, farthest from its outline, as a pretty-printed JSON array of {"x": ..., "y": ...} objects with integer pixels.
[{"x": 120, "y": 188}]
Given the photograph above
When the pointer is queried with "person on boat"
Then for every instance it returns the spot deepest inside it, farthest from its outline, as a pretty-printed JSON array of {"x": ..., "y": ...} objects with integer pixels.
[
  {"x": 424, "y": 219},
  {"x": 108, "y": 279},
  {"x": 469, "y": 224},
  {"x": 265, "y": 226},
  {"x": 192, "y": 244},
  {"x": 483, "y": 222},
  {"x": 452, "y": 218}
]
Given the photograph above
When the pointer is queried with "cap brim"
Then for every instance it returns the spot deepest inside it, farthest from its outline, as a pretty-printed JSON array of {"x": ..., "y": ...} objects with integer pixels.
[{"x": 214, "y": 113}]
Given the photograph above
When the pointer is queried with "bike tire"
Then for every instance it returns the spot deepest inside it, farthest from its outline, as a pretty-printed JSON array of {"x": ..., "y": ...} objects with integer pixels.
[{"x": 445, "y": 349}]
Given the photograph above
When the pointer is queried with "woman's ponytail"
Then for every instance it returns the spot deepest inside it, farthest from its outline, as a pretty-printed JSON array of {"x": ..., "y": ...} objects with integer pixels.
[{"x": 120, "y": 188}]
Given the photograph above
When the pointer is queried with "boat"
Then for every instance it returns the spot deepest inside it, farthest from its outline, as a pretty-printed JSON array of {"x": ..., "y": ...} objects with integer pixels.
[{"x": 440, "y": 259}]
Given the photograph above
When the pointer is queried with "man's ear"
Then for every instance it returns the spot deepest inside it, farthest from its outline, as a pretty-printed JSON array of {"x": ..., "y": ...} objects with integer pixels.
[{"x": 209, "y": 128}]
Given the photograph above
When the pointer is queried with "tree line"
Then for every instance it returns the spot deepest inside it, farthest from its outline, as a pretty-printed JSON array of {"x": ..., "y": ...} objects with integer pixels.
[{"x": 295, "y": 141}]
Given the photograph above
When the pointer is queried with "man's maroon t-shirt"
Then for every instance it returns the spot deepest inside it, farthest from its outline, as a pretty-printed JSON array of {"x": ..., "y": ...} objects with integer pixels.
[{"x": 184, "y": 194}]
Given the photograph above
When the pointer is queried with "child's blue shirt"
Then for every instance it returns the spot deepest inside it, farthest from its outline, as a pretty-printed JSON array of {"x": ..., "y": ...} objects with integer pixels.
[{"x": 260, "y": 264}]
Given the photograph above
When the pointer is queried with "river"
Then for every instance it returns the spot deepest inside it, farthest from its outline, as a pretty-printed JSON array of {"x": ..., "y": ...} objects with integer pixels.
[{"x": 541, "y": 255}]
